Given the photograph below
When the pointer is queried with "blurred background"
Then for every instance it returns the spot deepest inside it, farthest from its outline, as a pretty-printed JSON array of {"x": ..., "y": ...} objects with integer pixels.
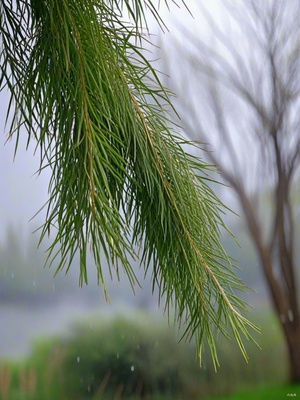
[{"x": 235, "y": 69}]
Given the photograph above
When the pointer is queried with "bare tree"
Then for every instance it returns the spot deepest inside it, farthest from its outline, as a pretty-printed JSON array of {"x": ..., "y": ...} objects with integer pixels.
[{"x": 241, "y": 93}]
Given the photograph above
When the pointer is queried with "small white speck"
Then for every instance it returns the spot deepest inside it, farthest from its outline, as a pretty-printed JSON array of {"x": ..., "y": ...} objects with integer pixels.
[{"x": 291, "y": 315}]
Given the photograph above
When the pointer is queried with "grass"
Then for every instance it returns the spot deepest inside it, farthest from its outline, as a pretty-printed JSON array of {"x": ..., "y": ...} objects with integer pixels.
[{"x": 266, "y": 393}]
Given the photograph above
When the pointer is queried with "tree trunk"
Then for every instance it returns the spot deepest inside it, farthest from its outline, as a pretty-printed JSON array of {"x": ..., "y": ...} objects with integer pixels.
[
  {"x": 287, "y": 310},
  {"x": 292, "y": 335}
]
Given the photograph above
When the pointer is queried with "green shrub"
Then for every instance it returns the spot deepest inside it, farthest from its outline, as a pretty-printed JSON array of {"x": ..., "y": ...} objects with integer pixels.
[{"x": 131, "y": 357}]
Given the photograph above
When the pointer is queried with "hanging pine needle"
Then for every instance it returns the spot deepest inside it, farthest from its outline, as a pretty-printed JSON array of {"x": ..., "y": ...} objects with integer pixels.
[{"x": 82, "y": 88}]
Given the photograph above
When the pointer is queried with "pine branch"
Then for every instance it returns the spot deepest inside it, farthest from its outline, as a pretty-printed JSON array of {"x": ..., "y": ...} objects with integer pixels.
[{"x": 87, "y": 94}]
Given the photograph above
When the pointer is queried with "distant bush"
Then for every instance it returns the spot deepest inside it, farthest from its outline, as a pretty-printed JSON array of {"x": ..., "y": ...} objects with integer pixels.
[{"x": 128, "y": 357}]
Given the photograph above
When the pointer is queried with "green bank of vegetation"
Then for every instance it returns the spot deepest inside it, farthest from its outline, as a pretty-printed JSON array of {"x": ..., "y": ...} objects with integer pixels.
[{"x": 139, "y": 357}]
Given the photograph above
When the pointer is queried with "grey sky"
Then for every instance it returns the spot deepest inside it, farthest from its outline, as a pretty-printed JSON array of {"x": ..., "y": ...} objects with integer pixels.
[{"x": 22, "y": 192}]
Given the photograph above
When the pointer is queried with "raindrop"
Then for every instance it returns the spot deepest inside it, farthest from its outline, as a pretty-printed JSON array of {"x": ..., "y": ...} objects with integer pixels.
[
  {"x": 89, "y": 388},
  {"x": 118, "y": 355},
  {"x": 291, "y": 315},
  {"x": 12, "y": 275},
  {"x": 132, "y": 368},
  {"x": 138, "y": 347},
  {"x": 33, "y": 283},
  {"x": 78, "y": 359}
]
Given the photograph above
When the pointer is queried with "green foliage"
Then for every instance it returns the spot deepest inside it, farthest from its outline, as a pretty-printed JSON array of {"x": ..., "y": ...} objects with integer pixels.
[
  {"x": 121, "y": 184},
  {"x": 131, "y": 356},
  {"x": 138, "y": 357}
]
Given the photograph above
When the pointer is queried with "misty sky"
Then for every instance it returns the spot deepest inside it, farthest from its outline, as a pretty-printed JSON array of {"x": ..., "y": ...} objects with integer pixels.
[{"x": 22, "y": 193}]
